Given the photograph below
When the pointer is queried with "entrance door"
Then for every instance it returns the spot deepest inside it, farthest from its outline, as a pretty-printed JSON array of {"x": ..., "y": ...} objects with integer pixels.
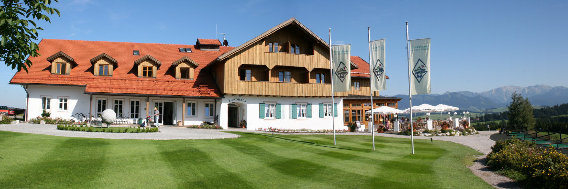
[
  {"x": 160, "y": 106},
  {"x": 168, "y": 113},
  {"x": 233, "y": 116}
]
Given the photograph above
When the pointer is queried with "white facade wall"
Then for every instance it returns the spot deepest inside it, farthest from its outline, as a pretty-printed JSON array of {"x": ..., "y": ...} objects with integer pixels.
[
  {"x": 249, "y": 111},
  {"x": 79, "y": 102}
]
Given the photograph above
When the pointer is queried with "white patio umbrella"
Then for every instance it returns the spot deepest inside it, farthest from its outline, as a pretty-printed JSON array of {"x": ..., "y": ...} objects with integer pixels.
[
  {"x": 383, "y": 110},
  {"x": 445, "y": 108}
]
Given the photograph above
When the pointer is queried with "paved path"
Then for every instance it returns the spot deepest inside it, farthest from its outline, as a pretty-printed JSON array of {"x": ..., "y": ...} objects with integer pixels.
[{"x": 165, "y": 133}]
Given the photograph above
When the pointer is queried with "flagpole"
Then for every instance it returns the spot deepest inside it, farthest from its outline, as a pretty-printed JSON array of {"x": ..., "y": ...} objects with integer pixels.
[
  {"x": 332, "y": 96},
  {"x": 409, "y": 90},
  {"x": 371, "y": 84}
]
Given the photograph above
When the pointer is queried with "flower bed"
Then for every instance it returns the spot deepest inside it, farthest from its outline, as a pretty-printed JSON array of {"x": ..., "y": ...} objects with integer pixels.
[
  {"x": 536, "y": 167},
  {"x": 106, "y": 129},
  {"x": 49, "y": 120},
  {"x": 277, "y": 130}
]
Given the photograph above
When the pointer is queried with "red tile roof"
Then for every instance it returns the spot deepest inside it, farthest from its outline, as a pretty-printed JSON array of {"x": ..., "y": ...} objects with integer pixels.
[
  {"x": 363, "y": 67},
  {"x": 209, "y": 42},
  {"x": 124, "y": 79}
]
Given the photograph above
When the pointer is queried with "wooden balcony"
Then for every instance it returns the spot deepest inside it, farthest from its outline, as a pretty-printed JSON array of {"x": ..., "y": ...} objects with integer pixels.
[
  {"x": 265, "y": 88},
  {"x": 296, "y": 60}
]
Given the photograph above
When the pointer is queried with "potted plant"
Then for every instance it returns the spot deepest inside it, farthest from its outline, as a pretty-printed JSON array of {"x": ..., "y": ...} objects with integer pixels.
[
  {"x": 243, "y": 124},
  {"x": 352, "y": 126}
]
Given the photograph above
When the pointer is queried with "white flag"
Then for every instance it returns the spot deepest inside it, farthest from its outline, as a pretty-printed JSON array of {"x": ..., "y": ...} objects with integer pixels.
[
  {"x": 377, "y": 65},
  {"x": 341, "y": 67},
  {"x": 419, "y": 66}
]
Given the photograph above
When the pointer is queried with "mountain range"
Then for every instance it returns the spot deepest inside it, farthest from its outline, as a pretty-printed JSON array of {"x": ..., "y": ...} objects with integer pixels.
[{"x": 538, "y": 95}]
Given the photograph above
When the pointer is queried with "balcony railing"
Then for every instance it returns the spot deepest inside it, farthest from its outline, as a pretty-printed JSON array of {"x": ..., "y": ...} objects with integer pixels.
[{"x": 266, "y": 88}]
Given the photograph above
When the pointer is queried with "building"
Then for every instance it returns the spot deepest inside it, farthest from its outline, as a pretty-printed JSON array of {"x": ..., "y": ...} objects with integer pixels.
[
  {"x": 279, "y": 79},
  {"x": 358, "y": 101}
]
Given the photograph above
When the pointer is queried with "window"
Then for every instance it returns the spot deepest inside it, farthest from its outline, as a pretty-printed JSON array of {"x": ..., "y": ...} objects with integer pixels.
[
  {"x": 245, "y": 75},
  {"x": 147, "y": 71},
  {"x": 103, "y": 69},
  {"x": 184, "y": 73},
  {"x": 272, "y": 47},
  {"x": 356, "y": 85},
  {"x": 248, "y": 75},
  {"x": 60, "y": 69},
  {"x": 135, "y": 52},
  {"x": 269, "y": 110},
  {"x": 295, "y": 49},
  {"x": 320, "y": 78},
  {"x": 209, "y": 108},
  {"x": 284, "y": 77},
  {"x": 191, "y": 109},
  {"x": 117, "y": 108},
  {"x": 328, "y": 110},
  {"x": 346, "y": 115},
  {"x": 275, "y": 47},
  {"x": 101, "y": 106},
  {"x": 391, "y": 104},
  {"x": 62, "y": 103},
  {"x": 45, "y": 103},
  {"x": 134, "y": 109},
  {"x": 301, "y": 110},
  {"x": 187, "y": 50}
]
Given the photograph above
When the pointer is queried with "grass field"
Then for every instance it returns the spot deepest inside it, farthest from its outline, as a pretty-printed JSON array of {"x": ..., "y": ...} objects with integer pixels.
[{"x": 251, "y": 161}]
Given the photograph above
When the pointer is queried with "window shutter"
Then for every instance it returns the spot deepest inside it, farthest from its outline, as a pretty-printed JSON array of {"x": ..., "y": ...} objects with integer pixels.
[
  {"x": 321, "y": 110},
  {"x": 335, "y": 110},
  {"x": 261, "y": 110},
  {"x": 278, "y": 111},
  {"x": 294, "y": 111},
  {"x": 309, "y": 110}
]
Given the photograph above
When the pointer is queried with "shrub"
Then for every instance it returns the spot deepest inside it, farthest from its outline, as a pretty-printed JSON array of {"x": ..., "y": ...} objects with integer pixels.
[
  {"x": 6, "y": 120},
  {"x": 45, "y": 114},
  {"x": 105, "y": 129},
  {"x": 205, "y": 125},
  {"x": 540, "y": 167}
]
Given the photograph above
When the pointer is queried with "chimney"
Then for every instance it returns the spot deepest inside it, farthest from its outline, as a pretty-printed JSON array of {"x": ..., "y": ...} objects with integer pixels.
[{"x": 225, "y": 42}]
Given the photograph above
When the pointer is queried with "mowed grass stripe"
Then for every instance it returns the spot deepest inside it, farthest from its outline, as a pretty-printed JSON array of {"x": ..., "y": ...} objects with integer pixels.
[
  {"x": 66, "y": 165},
  {"x": 196, "y": 169},
  {"x": 136, "y": 164}
]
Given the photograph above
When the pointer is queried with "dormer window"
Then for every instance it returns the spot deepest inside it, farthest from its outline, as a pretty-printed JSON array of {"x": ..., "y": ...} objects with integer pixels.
[
  {"x": 60, "y": 68},
  {"x": 135, "y": 52},
  {"x": 148, "y": 71},
  {"x": 103, "y": 65},
  {"x": 147, "y": 66},
  {"x": 61, "y": 63},
  {"x": 103, "y": 70},
  {"x": 185, "y": 68}
]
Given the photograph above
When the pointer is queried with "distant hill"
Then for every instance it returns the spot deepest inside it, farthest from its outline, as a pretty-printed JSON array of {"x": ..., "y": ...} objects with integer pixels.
[{"x": 538, "y": 95}]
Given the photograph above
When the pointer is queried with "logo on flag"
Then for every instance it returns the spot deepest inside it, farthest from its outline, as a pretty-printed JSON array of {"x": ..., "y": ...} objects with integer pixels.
[
  {"x": 379, "y": 70},
  {"x": 419, "y": 70},
  {"x": 341, "y": 71}
]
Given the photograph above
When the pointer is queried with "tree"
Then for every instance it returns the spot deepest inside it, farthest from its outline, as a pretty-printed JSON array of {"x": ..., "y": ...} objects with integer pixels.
[
  {"x": 520, "y": 114},
  {"x": 18, "y": 30}
]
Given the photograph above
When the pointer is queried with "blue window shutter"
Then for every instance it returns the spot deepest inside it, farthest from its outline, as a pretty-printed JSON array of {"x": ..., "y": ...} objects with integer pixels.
[
  {"x": 321, "y": 110},
  {"x": 335, "y": 110},
  {"x": 261, "y": 111},
  {"x": 278, "y": 111},
  {"x": 294, "y": 111},
  {"x": 309, "y": 110}
]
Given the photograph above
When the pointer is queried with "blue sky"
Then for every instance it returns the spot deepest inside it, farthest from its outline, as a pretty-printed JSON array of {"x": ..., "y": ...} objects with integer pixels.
[{"x": 476, "y": 45}]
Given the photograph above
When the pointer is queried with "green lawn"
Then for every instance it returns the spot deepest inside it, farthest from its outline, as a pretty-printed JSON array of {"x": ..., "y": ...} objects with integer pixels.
[{"x": 251, "y": 161}]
